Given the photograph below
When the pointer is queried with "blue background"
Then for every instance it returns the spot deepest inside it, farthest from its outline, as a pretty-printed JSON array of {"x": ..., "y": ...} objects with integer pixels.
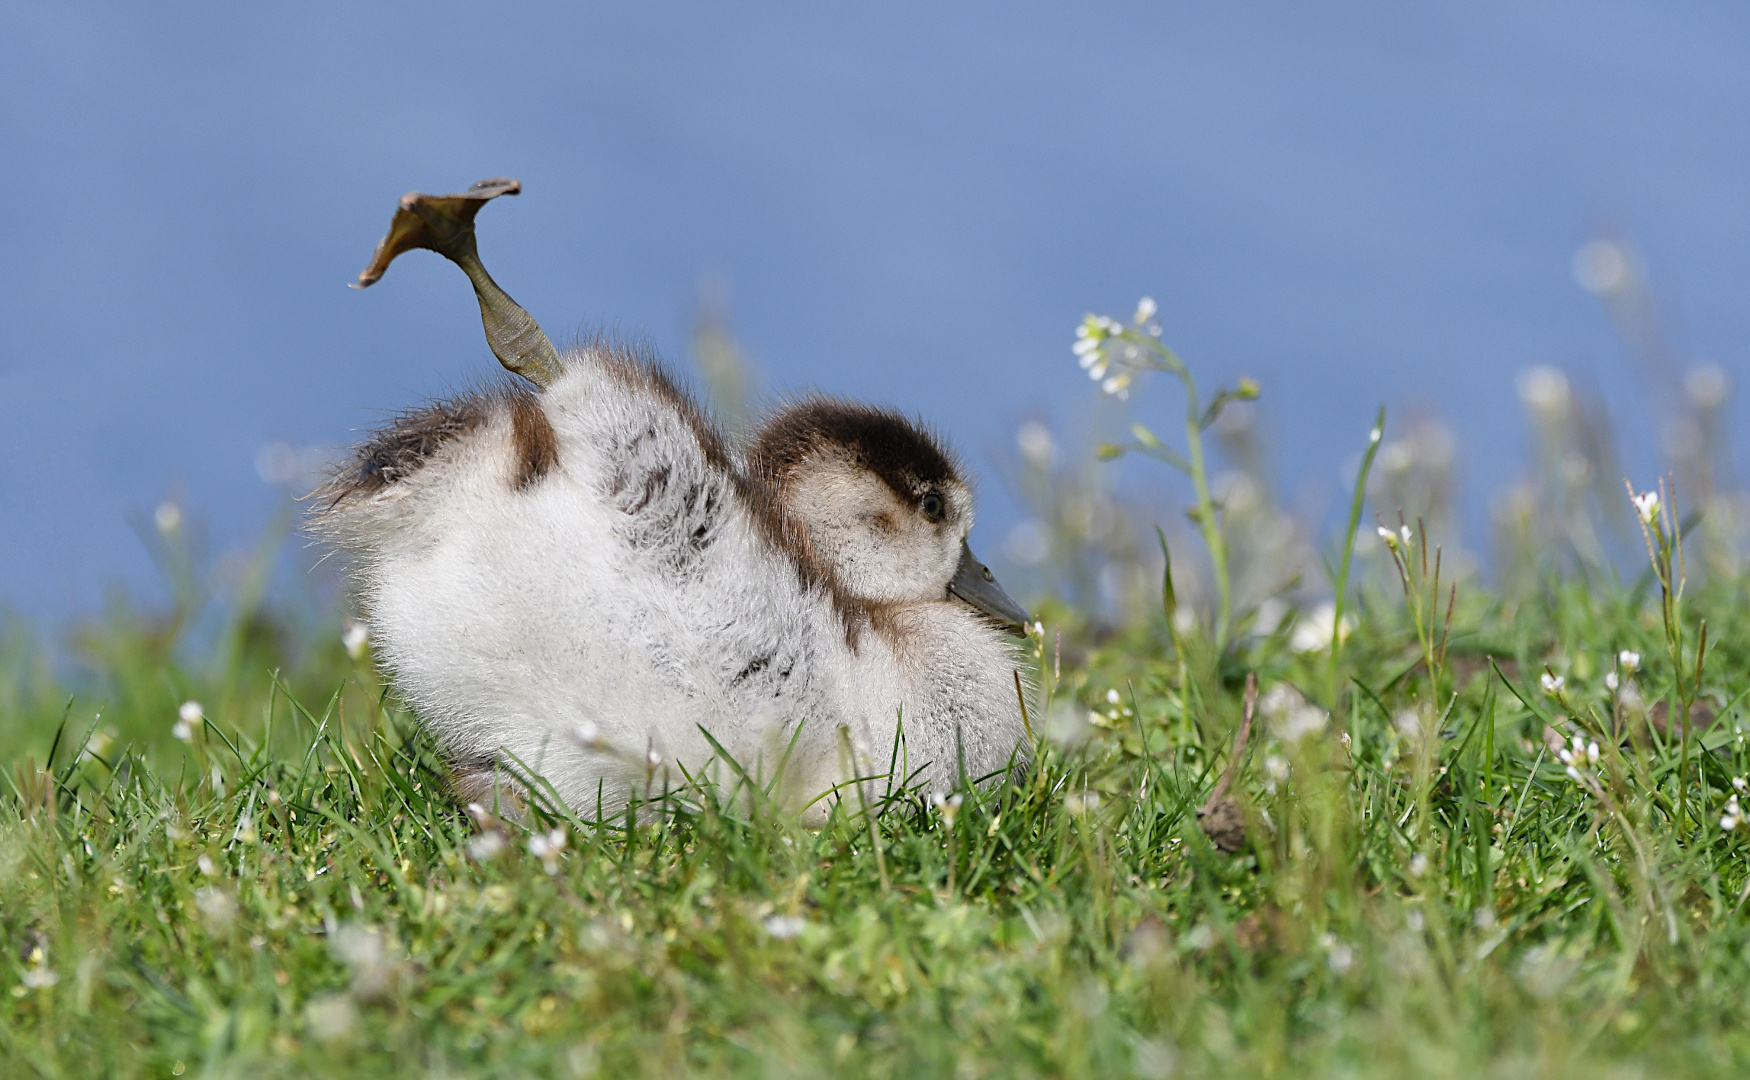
[{"x": 915, "y": 203}]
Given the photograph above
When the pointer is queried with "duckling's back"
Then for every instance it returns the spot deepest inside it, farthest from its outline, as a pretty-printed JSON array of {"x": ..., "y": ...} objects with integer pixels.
[{"x": 582, "y": 579}]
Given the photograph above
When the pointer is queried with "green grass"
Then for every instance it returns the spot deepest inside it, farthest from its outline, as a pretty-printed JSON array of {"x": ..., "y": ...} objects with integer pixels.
[{"x": 1470, "y": 912}]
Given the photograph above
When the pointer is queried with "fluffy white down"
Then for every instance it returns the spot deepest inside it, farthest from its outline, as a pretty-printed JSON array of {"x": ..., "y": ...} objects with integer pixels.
[{"x": 580, "y": 625}]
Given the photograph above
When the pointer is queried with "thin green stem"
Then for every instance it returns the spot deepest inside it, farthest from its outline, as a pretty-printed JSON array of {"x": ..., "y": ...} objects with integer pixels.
[
  {"x": 1211, "y": 530},
  {"x": 1374, "y": 438},
  {"x": 1212, "y": 537}
]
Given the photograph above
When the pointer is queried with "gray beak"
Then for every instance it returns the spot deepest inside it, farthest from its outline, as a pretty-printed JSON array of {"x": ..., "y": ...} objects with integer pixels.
[{"x": 974, "y": 583}]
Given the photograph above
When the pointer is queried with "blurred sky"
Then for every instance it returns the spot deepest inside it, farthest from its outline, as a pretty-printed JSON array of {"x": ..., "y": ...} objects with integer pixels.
[{"x": 914, "y": 203}]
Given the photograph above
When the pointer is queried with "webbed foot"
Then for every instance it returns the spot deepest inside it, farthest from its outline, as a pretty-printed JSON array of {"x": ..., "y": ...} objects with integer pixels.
[{"x": 445, "y": 224}]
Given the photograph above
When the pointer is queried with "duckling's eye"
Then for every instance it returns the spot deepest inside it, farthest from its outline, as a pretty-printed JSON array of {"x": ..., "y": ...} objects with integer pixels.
[{"x": 932, "y": 507}]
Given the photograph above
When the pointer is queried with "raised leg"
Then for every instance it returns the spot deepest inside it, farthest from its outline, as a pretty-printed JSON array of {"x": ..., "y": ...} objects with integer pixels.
[{"x": 445, "y": 224}]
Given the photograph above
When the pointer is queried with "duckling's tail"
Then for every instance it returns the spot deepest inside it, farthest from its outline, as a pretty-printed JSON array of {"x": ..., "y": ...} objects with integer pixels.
[{"x": 445, "y": 224}]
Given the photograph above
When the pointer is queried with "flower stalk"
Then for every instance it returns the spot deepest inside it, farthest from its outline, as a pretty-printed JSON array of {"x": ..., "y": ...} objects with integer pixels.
[
  {"x": 1114, "y": 354},
  {"x": 1664, "y": 536},
  {"x": 1374, "y": 437},
  {"x": 1409, "y": 552}
]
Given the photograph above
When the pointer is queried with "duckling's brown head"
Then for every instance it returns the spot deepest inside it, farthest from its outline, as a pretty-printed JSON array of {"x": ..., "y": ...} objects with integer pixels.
[{"x": 881, "y": 506}]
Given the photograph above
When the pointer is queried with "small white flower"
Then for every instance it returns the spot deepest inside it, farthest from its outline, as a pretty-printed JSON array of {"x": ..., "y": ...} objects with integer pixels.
[
  {"x": 1390, "y": 537},
  {"x": 1733, "y": 816},
  {"x": 39, "y": 976},
  {"x": 1112, "y": 697},
  {"x": 330, "y": 1017},
  {"x": 1578, "y": 755},
  {"x": 948, "y": 807},
  {"x": 544, "y": 844},
  {"x": 1117, "y": 386},
  {"x": 491, "y": 843},
  {"x": 548, "y": 847},
  {"x": 1340, "y": 956},
  {"x": 206, "y": 865},
  {"x": 587, "y": 734},
  {"x": 187, "y": 716},
  {"x": 1408, "y": 536},
  {"x": 1312, "y": 631},
  {"x": 1601, "y": 266},
  {"x": 1706, "y": 385},
  {"x": 785, "y": 927},
  {"x": 1647, "y": 506},
  {"x": 1741, "y": 785},
  {"x": 1304, "y": 721},
  {"x": 1544, "y": 390},
  {"x": 1610, "y": 681},
  {"x": 1418, "y": 864},
  {"x": 1409, "y": 725},
  {"x": 216, "y": 905},
  {"x": 168, "y": 517},
  {"x": 1036, "y": 444},
  {"x": 355, "y": 635},
  {"x": 1375, "y": 435},
  {"x": 653, "y": 757},
  {"x": 1270, "y": 614},
  {"x": 370, "y": 954},
  {"x": 1552, "y": 684},
  {"x": 1095, "y": 329},
  {"x": 1145, "y": 310},
  {"x": 1629, "y": 660},
  {"x": 487, "y": 846}
]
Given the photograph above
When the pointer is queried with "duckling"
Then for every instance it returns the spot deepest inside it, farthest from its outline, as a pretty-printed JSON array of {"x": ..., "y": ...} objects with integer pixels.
[{"x": 585, "y": 581}]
